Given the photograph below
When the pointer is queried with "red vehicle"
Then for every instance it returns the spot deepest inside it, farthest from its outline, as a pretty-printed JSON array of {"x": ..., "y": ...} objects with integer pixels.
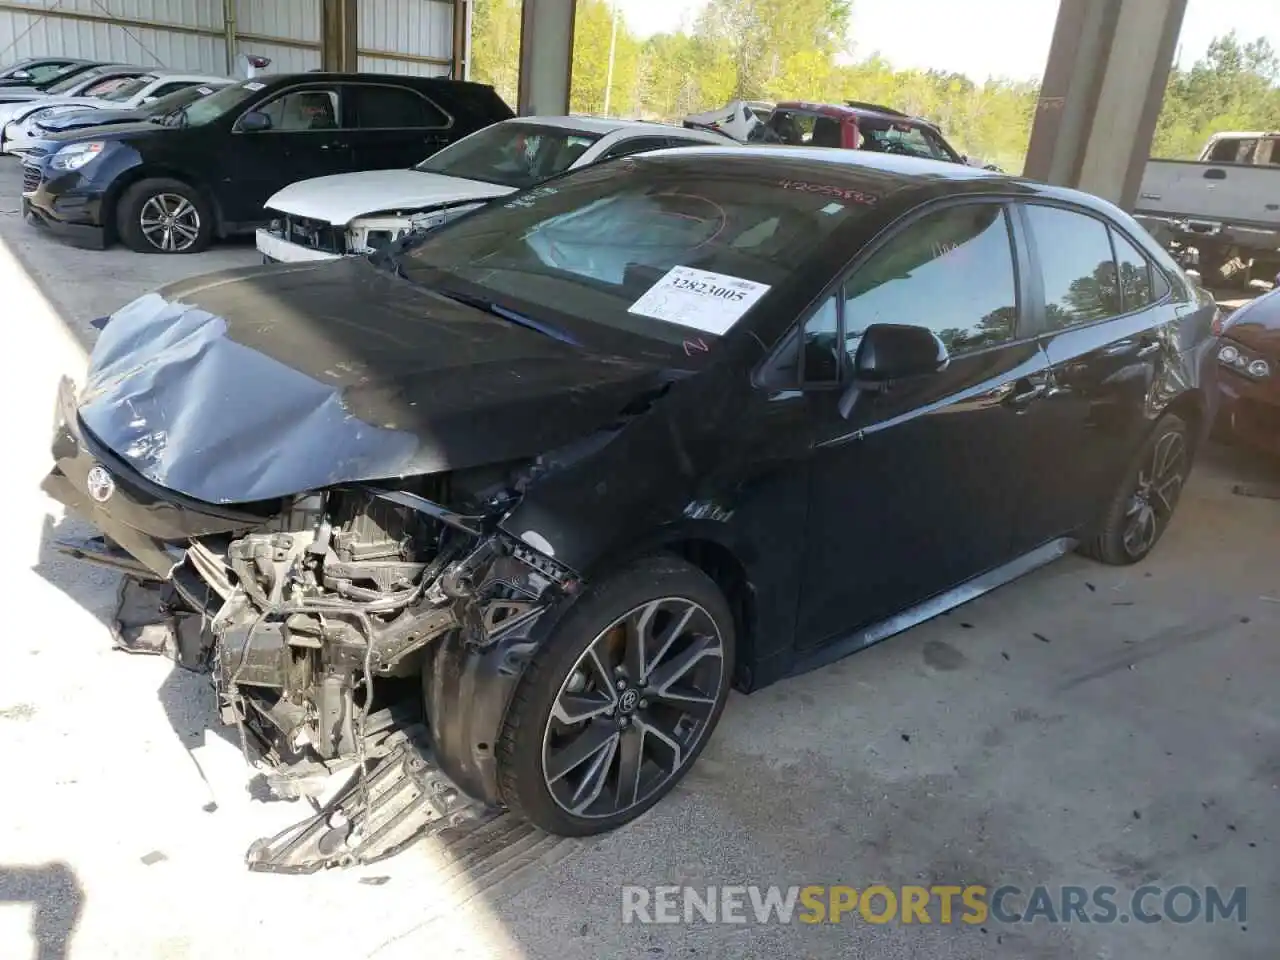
[{"x": 858, "y": 126}]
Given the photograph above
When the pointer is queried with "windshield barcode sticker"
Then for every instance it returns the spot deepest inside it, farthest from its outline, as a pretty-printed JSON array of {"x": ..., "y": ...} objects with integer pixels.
[{"x": 712, "y": 302}]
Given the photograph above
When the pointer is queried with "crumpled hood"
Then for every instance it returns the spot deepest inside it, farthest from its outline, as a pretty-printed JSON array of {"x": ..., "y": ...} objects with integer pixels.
[
  {"x": 262, "y": 382},
  {"x": 72, "y": 119},
  {"x": 340, "y": 198}
]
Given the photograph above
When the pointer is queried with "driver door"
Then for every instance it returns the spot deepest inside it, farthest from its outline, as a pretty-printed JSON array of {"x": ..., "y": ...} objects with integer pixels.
[
  {"x": 306, "y": 139},
  {"x": 914, "y": 489}
]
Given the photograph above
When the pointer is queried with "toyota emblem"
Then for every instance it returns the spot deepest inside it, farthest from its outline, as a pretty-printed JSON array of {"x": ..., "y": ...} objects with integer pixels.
[{"x": 100, "y": 484}]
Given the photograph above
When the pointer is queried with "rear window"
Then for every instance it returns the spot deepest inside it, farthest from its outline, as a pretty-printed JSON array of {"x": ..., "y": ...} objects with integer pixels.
[
  {"x": 474, "y": 104},
  {"x": 656, "y": 246},
  {"x": 902, "y": 138},
  {"x": 73, "y": 76},
  {"x": 126, "y": 88}
]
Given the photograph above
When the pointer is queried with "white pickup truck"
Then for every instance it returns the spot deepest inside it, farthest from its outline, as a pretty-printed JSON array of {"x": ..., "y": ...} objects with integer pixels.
[{"x": 1225, "y": 205}]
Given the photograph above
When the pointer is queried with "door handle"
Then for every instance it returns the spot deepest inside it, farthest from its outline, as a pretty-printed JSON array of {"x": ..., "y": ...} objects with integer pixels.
[
  {"x": 1215, "y": 174},
  {"x": 1023, "y": 392},
  {"x": 1148, "y": 347}
]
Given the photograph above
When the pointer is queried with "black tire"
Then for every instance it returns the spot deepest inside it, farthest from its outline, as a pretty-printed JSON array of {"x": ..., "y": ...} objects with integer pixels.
[
  {"x": 1150, "y": 491},
  {"x": 535, "y": 739},
  {"x": 190, "y": 229}
]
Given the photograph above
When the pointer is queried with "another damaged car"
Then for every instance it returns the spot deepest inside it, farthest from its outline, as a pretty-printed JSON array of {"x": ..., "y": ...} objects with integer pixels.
[
  {"x": 497, "y": 519},
  {"x": 1249, "y": 356},
  {"x": 358, "y": 213}
]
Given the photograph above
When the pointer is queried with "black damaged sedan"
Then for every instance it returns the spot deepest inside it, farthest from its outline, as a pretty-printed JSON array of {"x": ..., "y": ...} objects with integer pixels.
[{"x": 529, "y": 493}]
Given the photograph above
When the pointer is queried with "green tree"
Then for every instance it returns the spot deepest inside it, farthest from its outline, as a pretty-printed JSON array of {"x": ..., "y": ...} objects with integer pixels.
[
  {"x": 495, "y": 45},
  {"x": 797, "y": 50}
]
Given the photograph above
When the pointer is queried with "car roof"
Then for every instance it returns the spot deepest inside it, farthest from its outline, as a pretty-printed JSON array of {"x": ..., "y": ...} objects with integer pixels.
[
  {"x": 105, "y": 69},
  {"x": 840, "y": 110},
  {"x": 335, "y": 76},
  {"x": 609, "y": 125},
  {"x": 164, "y": 73},
  {"x": 912, "y": 180}
]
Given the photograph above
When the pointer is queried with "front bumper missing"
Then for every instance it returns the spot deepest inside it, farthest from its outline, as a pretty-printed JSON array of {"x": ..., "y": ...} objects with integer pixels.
[
  {"x": 393, "y": 794},
  {"x": 401, "y": 778}
]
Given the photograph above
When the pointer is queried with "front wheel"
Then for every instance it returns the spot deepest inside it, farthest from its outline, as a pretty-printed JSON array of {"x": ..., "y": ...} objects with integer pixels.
[
  {"x": 1142, "y": 507},
  {"x": 619, "y": 701},
  {"x": 164, "y": 216}
]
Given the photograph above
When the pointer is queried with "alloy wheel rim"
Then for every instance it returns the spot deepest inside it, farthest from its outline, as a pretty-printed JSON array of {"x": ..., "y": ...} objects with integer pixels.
[
  {"x": 1156, "y": 493},
  {"x": 634, "y": 707},
  {"x": 170, "y": 222}
]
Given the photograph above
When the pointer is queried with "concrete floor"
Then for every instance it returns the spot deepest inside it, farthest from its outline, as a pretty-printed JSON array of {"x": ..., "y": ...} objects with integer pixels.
[{"x": 1083, "y": 726}]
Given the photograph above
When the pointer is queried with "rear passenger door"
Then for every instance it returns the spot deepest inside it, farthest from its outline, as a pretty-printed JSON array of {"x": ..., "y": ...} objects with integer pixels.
[
  {"x": 1108, "y": 327},
  {"x": 393, "y": 126}
]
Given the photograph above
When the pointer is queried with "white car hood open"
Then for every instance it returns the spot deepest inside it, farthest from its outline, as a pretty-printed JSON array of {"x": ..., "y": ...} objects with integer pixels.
[{"x": 340, "y": 199}]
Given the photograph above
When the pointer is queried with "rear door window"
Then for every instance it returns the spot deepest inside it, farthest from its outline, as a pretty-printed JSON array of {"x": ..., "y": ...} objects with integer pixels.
[
  {"x": 384, "y": 107},
  {"x": 1077, "y": 264}
]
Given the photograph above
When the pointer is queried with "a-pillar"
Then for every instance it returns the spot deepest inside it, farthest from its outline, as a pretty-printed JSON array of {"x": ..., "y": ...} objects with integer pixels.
[
  {"x": 1103, "y": 88},
  {"x": 546, "y": 56}
]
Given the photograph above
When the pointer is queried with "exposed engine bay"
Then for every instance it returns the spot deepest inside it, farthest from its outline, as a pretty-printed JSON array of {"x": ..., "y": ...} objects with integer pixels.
[{"x": 321, "y": 630}]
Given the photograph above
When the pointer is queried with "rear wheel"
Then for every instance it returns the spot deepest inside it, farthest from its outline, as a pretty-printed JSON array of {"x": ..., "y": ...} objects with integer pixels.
[
  {"x": 1142, "y": 507},
  {"x": 164, "y": 216},
  {"x": 619, "y": 701}
]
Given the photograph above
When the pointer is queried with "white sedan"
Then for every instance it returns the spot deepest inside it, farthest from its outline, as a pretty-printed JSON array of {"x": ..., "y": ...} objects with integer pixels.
[
  {"x": 19, "y": 122},
  {"x": 356, "y": 213}
]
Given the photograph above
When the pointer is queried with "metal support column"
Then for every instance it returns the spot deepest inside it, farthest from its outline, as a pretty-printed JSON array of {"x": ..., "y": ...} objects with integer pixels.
[
  {"x": 1103, "y": 88},
  {"x": 339, "y": 39},
  {"x": 461, "y": 67},
  {"x": 546, "y": 56}
]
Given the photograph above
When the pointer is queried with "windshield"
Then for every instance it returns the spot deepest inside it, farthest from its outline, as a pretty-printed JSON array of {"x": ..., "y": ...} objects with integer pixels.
[
  {"x": 176, "y": 100},
  {"x": 902, "y": 138},
  {"x": 210, "y": 108},
  {"x": 126, "y": 89},
  {"x": 78, "y": 76},
  {"x": 511, "y": 154},
  {"x": 663, "y": 247}
]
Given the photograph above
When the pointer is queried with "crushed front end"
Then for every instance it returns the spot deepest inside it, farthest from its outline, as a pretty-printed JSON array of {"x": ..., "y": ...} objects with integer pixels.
[{"x": 363, "y": 639}]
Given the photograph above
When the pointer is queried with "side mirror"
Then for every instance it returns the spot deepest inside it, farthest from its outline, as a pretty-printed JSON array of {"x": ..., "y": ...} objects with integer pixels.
[
  {"x": 255, "y": 121},
  {"x": 892, "y": 351},
  {"x": 21, "y": 75}
]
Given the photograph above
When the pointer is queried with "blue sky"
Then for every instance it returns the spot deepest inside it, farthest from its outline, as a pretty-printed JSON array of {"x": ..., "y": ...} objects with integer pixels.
[{"x": 981, "y": 38}]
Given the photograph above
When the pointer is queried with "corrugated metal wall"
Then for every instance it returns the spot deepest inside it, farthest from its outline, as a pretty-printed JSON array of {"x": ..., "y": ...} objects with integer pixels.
[
  {"x": 297, "y": 20},
  {"x": 419, "y": 31},
  {"x": 115, "y": 30},
  {"x": 396, "y": 36}
]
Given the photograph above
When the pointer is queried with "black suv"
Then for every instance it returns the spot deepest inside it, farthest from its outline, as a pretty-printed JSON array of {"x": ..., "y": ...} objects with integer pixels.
[{"x": 173, "y": 182}]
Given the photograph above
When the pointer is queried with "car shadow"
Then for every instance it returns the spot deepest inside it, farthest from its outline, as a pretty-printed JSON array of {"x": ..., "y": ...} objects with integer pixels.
[
  {"x": 185, "y": 695},
  {"x": 54, "y": 890}
]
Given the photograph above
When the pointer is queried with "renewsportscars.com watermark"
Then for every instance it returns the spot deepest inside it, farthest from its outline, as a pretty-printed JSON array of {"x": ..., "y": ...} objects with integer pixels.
[{"x": 941, "y": 904}]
